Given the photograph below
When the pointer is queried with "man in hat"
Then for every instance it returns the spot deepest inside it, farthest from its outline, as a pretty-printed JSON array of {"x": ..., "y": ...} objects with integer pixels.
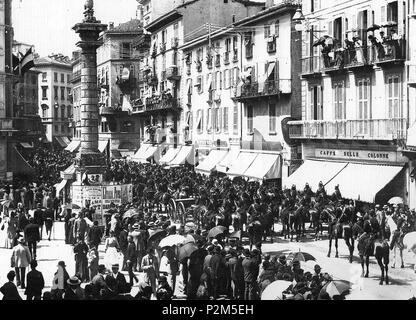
[
  {"x": 38, "y": 216},
  {"x": 95, "y": 234},
  {"x": 81, "y": 259},
  {"x": 164, "y": 291},
  {"x": 131, "y": 259},
  {"x": 35, "y": 282},
  {"x": 20, "y": 260},
  {"x": 80, "y": 226},
  {"x": 250, "y": 268},
  {"x": 116, "y": 281},
  {"x": 196, "y": 269},
  {"x": 218, "y": 269},
  {"x": 283, "y": 267},
  {"x": 32, "y": 236},
  {"x": 9, "y": 289},
  {"x": 150, "y": 266},
  {"x": 98, "y": 282},
  {"x": 381, "y": 219},
  {"x": 74, "y": 291},
  {"x": 297, "y": 271}
]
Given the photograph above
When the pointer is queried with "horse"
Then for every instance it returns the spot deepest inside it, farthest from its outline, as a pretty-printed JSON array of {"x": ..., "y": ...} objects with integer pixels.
[
  {"x": 284, "y": 219},
  {"x": 341, "y": 227},
  {"x": 371, "y": 243},
  {"x": 295, "y": 222}
]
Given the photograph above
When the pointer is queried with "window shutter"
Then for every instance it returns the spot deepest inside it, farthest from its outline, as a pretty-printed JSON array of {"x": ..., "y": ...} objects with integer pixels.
[
  {"x": 232, "y": 77},
  {"x": 330, "y": 32},
  {"x": 277, "y": 28},
  {"x": 220, "y": 76},
  {"x": 383, "y": 17}
]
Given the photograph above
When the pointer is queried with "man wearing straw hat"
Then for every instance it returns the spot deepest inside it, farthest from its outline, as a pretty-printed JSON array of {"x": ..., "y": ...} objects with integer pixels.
[
  {"x": 20, "y": 260},
  {"x": 74, "y": 291}
]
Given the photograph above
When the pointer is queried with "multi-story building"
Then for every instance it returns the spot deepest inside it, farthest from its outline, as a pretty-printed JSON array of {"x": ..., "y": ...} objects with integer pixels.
[
  {"x": 117, "y": 73},
  {"x": 354, "y": 110},
  {"x": 55, "y": 101},
  {"x": 162, "y": 104},
  {"x": 75, "y": 121}
]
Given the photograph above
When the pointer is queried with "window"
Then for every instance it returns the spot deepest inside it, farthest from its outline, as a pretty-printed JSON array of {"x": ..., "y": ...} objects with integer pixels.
[
  {"x": 217, "y": 119},
  {"x": 200, "y": 121},
  {"x": 209, "y": 120},
  {"x": 63, "y": 128},
  {"x": 62, "y": 78},
  {"x": 225, "y": 119},
  {"x": 228, "y": 45},
  {"x": 55, "y": 76},
  {"x": 218, "y": 80},
  {"x": 44, "y": 93},
  {"x": 227, "y": 79},
  {"x": 392, "y": 12},
  {"x": 55, "y": 93},
  {"x": 176, "y": 30},
  {"x": 104, "y": 127},
  {"x": 56, "y": 128},
  {"x": 62, "y": 93},
  {"x": 315, "y": 102},
  {"x": 199, "y": 84},
  {"x": 249, "y": 114},
  {"x": 164, "y": 36},
  {"x": 235, "y": 119},
  {"x": 125, "y": 50},
  {"x": 364, "y": 99},
  {"x": 276, "y": 28},
  {"x": 315, "y": 5},
  {"x": 339, "y": 100},
  {"x": 68, "y": 78},
  {"x": 44, "y": 112},
  {"x": 68, "y": 90},
  {"x": 44, "y": 77},
  {"x": 393, "y": 97},
  {"x": 62, "y": 112},
  {"x": 272, "y": 118},
  {"x": 69, "y": 111},
  {"x": 266, "y": 31}
]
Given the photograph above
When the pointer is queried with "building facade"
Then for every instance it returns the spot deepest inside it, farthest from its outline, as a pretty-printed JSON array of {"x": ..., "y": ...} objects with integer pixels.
[
  {"x": 117, "y": 72},
  {"x": 75, "y": 96},
  {"x": 354, "y": 98},
  {"x": 55, "y": 101}
]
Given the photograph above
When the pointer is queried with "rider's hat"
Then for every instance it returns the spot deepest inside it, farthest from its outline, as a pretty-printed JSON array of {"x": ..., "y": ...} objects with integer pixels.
[{"x": 359, "y": 215}]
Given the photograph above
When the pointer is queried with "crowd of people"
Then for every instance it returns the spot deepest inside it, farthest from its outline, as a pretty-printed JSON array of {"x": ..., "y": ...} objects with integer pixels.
[{"x": 220, "y": 267}]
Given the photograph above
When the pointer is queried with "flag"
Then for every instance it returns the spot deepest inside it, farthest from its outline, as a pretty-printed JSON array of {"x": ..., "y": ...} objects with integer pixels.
[
  {"x": 16, "y": 65},
  {"x": 27, "y": 61}
]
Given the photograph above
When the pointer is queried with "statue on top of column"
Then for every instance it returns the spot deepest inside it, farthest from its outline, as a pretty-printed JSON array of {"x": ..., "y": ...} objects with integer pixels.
[{"x": 89, "y": 11}]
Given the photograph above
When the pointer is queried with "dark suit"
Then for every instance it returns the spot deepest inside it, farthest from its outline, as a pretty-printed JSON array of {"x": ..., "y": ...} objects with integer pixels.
[
  {"x": 117, "y": 284},
  {"x": 94, "y": 235},
  {"x": 196, "y": 269},
  {"x": 71, "y": 295},
  {"x": 251, "y": 269},
  {"x": 9, "y": 291},
  {"x": 38, "y": 216},
  {"x": 23, "y": 221},
  {"x": 130, "y": 258},
  {"x": 32, "y": 237},
  {"x": 218, "y": 274},
  {"x": 34, "y": 285}
]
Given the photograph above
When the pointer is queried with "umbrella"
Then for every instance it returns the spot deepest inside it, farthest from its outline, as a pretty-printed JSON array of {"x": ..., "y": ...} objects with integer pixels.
[
  {"x": 396, "y": 200},
  {"x": 190, "y": 226},
  {"x": 6, "y": 203},
  {"x": 236, "y": 234},
  {"x": 155, "y": 235},
  {"x": 274, "y": 291},
  {"x": 130, "y": 213},
  {"x": 216, "y": 231},
  {"x": 409, "y": 241},
  {"x": 319, "y": 42},
  {"x": 301, "y": 256},
  {"x": 196, "y": 237},
  {"x": 390, "y": 24},
  {"x": 75, "y": 207},
  {"x": 337, "y": 287},
  {"x": 189, "y": 239},
  {"x": 186, "y": 250},
  {"x": 171, "y": 240},
  {"x": 373, "y": 27}
]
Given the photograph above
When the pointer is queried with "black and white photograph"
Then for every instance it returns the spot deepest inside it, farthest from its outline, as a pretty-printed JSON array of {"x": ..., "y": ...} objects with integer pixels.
[{"x": 210, "y": 152}]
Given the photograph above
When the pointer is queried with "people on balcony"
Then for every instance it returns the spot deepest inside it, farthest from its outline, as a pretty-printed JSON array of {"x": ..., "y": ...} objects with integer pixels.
[
  {"x": 379, "y": 48},
  {"x": 358, "y": 44},
  {"x": 326, "y": 50},
  {"x": 350, "y": 46}
]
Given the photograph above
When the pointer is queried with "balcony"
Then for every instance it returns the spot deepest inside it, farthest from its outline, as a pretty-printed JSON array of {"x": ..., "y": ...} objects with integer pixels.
[
  {"x": 226, "y": 58},
  {"x": 6, "y": 124},
  {"x": 392, "y": 53},
  {"x": 371, "y": 129},
  {"x": 311, "y": 67},
  {"x": 249, "y": 51},
  {"x": 108, "y": 111},
  {"x": 162, "y": 47},
  {"x": 163, "y": 75},
  {"x": 173, "y": 74},
  {"x": 209, "y": 61},
  {"x": 271, "y": 45},
  {"x": 76, "y": 76},
  {"x": 161, "y": 103},
  {"x": 235, "y": 55},
  {"x": 258, "y": 90},
  {"x": 142, "y": 42}
]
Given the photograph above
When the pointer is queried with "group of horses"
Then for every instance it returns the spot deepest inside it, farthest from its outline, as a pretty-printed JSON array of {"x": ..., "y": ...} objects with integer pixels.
[{"x": 253, "y": 209}]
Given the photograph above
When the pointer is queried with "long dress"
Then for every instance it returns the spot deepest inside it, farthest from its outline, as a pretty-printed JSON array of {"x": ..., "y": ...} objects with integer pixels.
[
  {"x": 112, "y": 255},
  {"x": 4, "y": 226}
]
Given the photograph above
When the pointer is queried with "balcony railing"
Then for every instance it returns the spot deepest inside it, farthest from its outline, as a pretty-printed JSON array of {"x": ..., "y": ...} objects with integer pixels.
[
  {"x": 162, "y": 47},
  {"x": 267, "y": 88},
  {"x": 175, "y": 43},
  {"x": 311, "y": 65},
  {"x": 76, "y": 76},
  {"x": 157, "y": 103},
  {"x": 370, "y": 129},
  {"x": 142, "y": 42},
  {"x": 6, "y": 124},
  {"x": 109, "y": 110}
]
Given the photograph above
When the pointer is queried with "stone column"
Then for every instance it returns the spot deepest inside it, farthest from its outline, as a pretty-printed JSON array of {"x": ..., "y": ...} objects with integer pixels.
[{"x": 89, "y": 157}]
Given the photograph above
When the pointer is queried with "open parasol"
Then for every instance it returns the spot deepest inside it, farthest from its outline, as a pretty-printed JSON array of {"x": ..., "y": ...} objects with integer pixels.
[
  {"x": 274, "y": 291},
  {"x": 186, "y": 250},
  {"x": 236, "y": 234},
  {"x": 337, "y": 288},
  {"x": 373, "y": 27},
  {"x": 189, "y": 239},
  {"x": 156, "y": 235},
  {"x": 409, "y": 241},
  {"x": 216, "y": 231},
  {"x": 396, "y": 200},
  {"x": 319, "y": 42},
  {"x": 172, "y": 240},
  {"x": 300, "y": 256},
  {"x": 130, "y": 213}
]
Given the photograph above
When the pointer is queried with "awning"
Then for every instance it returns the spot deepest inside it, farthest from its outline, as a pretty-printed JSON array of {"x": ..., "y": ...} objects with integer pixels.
[
  {"x": 61, "y": 142},
  {"x": 241, "y": 164},
  {"x": 126, "y": 154},
  {"x": 184, "y": 155},
  {"x": 102, "y": 145},
  {"x": 60, "y": 186},
  {"x": 66, "y": 140},
  {"x": 199, "y": 121},
  {"x": 70, "y": 169},
  {"x": 210, "y": 162},
  {"x": 363, "y": 181},
  {"x": 26, "y": 145},
  {"x": 170, "y": 154},
  {"x": 411, "y": 137},
  {"x": 265, "y": 166},
  {"x": 151, "y": 152},
  {"x": 73, "y": 146},
  {"x": 312, "y": 172},
  {"x": 270, "y": 69},
  {"x": 228, "y": 160},
  {"x": 139, "y": 154}
]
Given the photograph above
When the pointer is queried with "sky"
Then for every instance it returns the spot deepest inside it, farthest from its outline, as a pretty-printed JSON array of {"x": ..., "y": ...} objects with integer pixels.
[{"x": 47, "y": 24}]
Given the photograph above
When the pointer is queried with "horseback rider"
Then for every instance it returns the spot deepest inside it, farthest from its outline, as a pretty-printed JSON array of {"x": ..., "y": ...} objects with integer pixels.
[
  {"x": 321, "y": 190},
  {"x": 336, "y": 196}
]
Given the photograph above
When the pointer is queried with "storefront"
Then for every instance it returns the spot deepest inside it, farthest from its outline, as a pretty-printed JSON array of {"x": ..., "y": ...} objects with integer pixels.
[{"x": 362, "y": 174}]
